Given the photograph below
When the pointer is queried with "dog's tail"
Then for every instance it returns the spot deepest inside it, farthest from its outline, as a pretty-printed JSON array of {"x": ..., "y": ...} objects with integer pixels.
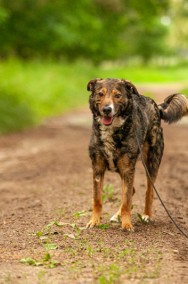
[{"x": 174, "y": 108}]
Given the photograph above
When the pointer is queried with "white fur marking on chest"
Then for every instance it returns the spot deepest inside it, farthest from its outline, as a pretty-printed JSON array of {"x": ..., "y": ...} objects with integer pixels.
[
  {"x": 106, "y": 136},
  {"x": 109, "y": 147}
]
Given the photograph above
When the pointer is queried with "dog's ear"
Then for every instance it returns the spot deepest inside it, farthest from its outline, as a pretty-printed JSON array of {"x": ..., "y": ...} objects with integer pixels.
[
  {"x": 91, "y": 84},
  {"x": 130, "y": 87}
]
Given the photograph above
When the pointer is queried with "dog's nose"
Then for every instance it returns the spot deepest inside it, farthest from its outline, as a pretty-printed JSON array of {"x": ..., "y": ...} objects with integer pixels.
[{"x": 107, "y": 109}]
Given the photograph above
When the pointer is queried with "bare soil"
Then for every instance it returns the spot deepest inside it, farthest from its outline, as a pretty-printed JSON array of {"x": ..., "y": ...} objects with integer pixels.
[{"x": 45, "y": 202}]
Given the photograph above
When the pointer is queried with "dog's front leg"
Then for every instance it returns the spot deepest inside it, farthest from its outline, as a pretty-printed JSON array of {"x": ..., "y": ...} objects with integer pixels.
[
  {"x": 127, "y": 177},
  {"x": 98, "y": 177},
  {"x": 117, "y": 216},
  {"x": 127, "y": 192}
]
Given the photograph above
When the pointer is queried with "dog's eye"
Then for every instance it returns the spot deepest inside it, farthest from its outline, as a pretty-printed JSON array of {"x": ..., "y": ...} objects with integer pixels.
[
  {"x": 117, "y": 96},
  {"x": 100, "y": 94}
]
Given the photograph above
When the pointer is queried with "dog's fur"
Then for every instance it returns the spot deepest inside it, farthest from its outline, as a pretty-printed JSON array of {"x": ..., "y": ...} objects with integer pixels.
[{"x": 120, "y": 114}]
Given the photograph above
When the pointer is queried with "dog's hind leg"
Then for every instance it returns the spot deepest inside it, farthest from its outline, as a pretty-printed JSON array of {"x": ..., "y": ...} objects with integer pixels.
[
  {"x": 152, "y": 156},
  {"x": 147, "y": 214},
  {"x": 98, "y": 177},
  {"x": 116, "y": 217}
]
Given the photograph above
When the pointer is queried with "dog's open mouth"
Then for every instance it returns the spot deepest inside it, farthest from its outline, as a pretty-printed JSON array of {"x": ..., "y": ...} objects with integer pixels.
[{"x": 107, "y": 120}]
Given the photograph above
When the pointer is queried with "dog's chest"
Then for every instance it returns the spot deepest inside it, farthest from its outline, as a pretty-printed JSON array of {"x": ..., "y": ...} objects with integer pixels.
[{"x": 108, "y": 146}]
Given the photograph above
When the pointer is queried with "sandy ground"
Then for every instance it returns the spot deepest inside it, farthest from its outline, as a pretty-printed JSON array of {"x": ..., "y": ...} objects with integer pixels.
[{"x": 46, "y": 179}]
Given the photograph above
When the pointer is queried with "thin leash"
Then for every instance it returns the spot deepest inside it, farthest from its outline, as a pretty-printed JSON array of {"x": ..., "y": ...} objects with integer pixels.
[{"x": 149, "y": 176}]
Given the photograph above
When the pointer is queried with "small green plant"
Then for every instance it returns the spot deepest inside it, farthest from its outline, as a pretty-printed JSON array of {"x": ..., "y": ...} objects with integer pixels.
[
  {"x": 103, "y": 226},
  {"x": 107, "y": 252},
  {"x": 108, "y": 192},
  {"x": 109, "y": 274},
  {"x": 56, "y": 223},
  {"x": 45, "y": 261},
  {"x": 141, "y": 219},
  {"x": 127, "y": 253},
  {"x": 48, "y": 229},
  {"x": 50, "y": 246},
  {"x": 90, "y": 250},
  {"x": 31, "y": 261},
  {"x": 79, "y": 214}
]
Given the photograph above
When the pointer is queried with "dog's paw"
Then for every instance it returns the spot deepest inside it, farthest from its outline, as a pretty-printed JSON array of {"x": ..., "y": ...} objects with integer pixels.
[
  {"x": 145, "y": 218},
  {"x": 93, "y": 222},
  {"x": 127, "y": 227},
  {"x": 115, "y": 218}
]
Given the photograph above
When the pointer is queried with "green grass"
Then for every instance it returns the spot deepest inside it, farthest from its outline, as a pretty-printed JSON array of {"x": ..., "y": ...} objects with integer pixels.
[
  {"x": 148, "y": 74},
  {"x": 185, "y": 91},
  {"x": 105, "y": 257},
  {"x": 31, "y": 91},
  {"x": 108, "y": 192},
  {"x": 45, "y": 261}
]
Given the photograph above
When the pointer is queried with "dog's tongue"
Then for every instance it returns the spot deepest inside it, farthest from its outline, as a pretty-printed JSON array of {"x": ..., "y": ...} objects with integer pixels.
[{"x": 106, "y": 120}]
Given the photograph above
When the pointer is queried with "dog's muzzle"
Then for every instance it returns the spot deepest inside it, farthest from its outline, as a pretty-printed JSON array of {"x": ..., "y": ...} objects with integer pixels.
[
  {"x": 107, "y": 110},
  {"x": 107, "y": 115}
]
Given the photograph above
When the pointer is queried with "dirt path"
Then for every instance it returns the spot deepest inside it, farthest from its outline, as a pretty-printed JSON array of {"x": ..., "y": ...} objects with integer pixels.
[{"x": 46, "y": 180}]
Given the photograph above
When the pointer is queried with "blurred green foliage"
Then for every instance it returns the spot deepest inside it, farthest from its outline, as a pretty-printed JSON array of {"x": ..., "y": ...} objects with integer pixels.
[
  {"x": 95, "y": 29},
  {"x": 14, "y": 113},
  {"x": 47, "y": 51},
  {"x": 33, "y": 90}
]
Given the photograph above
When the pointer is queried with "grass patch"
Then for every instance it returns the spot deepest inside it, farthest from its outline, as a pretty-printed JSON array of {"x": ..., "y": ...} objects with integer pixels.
[
  {"x": 109, "y": 274},
  {"x": 101, "y": 255},
  {"x": 31, "y": 91},
  {"x": 108, "y": 193},
  {"x": 47, "y": 261},
  {"x": 185, "y": 92}
]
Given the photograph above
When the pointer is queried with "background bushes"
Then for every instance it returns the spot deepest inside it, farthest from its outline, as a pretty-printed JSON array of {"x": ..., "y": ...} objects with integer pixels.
[{"x": 95, "y": 29}]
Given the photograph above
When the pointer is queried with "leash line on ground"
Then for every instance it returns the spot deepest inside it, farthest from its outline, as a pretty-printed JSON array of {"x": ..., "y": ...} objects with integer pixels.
[{"x": 162, "y": 203}]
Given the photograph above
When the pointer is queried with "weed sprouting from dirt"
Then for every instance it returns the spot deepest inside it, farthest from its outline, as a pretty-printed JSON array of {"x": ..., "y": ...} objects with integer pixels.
[
  {"x": 108, "y": 193},
  {"x": 110, "y": 259},
  {"x": 103, "y": 226},
  {"x": 46, "y": 230},
  {"x": 109, "y": 274},
  {"x": 128, "y": 264},
  {"x": 79, "y": 214},
  {"x": 50, "y": 246},
  {"x": 90, "y": 250},
  {"x": 46, "y": 261}
]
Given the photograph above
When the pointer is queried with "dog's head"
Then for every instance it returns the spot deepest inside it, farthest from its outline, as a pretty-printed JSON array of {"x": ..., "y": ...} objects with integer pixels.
[{"x": 110, "y": 97}]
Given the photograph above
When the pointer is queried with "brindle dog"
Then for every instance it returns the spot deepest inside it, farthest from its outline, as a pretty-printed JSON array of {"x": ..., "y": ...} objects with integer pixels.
[{"x": 120, "y": 114}]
